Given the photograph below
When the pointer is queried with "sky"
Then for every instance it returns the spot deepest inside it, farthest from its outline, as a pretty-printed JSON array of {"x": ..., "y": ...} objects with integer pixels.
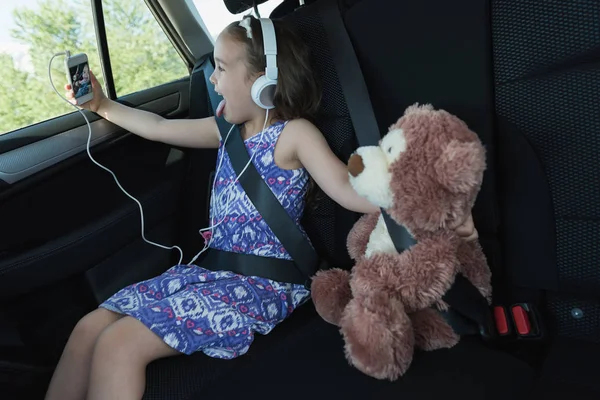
[
  {"x": 7, "y": 22},
  {"x": 216, "y": 16},
  {"x": 6, "y": 18}
]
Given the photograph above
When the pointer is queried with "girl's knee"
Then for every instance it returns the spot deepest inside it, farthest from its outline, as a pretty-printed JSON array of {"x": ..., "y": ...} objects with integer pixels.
[
  {"x": 117, "y": 341},
  {"x": 131, "y": 342},
  {"x": 91, "y": 325}
]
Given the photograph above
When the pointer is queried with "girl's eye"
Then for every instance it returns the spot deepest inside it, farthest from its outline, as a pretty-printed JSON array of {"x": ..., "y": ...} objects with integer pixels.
[{"x": 220, "y": 68}]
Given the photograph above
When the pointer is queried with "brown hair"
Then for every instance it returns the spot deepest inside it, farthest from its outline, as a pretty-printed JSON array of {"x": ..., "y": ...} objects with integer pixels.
[{"x": 298, "y": 92}]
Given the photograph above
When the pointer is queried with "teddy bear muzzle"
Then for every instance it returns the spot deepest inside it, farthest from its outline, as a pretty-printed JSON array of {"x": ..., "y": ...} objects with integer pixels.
[{"x": 355, "y": 165}]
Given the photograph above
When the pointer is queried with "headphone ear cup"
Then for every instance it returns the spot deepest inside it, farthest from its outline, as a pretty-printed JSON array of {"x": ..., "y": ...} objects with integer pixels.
[{"x": 263, "y": 92}]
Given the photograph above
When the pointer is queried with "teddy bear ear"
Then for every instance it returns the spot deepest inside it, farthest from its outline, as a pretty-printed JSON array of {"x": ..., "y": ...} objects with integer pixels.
[{"x": 461, "y": 165}]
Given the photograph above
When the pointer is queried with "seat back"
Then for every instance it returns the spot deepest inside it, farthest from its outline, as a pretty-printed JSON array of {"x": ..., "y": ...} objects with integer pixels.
[
  {"x": 547, "y": 85},
  {"x": 448, "y": 66},
  {"x": 326, "y": 222}
]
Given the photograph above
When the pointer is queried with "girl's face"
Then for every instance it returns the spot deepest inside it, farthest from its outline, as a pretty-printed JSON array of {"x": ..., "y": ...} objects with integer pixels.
[
  {"x": 86, "y": 72},
  {"x": 231, "y": 80}
]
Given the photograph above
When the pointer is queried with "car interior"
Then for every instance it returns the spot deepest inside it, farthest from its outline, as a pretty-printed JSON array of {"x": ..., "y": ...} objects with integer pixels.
[{"x": 523, "y": 74}]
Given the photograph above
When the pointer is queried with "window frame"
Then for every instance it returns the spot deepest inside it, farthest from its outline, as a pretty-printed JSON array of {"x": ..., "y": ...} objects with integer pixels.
[
  {"x": 49, "y": 146},
  {"x": 104, "y": 47},
  {"x": 35, "y": 132}
]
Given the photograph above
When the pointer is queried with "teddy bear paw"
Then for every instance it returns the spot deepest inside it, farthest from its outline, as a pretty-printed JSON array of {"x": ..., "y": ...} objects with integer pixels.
[
  {"x": 375, "y": 344},
  {"x": 330, "y": 291}
]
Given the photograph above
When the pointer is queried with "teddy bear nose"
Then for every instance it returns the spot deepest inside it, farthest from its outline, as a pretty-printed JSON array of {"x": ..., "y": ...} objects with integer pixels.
[{"x": 355, "y": 165}]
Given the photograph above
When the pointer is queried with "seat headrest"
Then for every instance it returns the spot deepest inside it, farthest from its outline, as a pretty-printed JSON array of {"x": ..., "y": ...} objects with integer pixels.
[{"x": 239, "y": 6}]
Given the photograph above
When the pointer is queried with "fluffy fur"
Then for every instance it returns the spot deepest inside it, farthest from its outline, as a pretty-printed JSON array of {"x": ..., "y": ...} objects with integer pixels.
[{"x": 426, "y": 173}]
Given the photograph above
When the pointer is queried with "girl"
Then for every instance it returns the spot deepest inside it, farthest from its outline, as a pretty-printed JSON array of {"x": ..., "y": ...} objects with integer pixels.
[
  {"x": 188, "y": 308},
  {"x": 83, "y": 83}
]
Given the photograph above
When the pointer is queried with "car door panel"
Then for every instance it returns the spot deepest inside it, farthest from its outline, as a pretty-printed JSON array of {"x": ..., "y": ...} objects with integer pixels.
[
  {"x": 69, "y": 237},
  {"x": 21, "y": 162},
  {"x": 76, "y": 251}
]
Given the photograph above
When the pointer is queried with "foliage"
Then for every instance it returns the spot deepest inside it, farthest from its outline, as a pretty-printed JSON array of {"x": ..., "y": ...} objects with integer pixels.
[{"x": 141, "y": 55}]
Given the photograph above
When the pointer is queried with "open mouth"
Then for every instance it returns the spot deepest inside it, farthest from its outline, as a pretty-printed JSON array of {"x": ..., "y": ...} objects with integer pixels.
[{"x": 221, "y": 108}]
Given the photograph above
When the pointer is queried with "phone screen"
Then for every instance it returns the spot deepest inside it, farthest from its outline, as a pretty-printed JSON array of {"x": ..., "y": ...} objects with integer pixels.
[{"x": 80, "y": 76}]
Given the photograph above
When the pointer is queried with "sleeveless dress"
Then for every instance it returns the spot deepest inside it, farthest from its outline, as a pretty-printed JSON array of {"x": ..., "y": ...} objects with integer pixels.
[{"x": 194, "y": 309}]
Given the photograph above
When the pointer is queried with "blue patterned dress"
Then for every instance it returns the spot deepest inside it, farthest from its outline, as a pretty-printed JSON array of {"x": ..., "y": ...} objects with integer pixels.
[{"x": 195, "y": 309}]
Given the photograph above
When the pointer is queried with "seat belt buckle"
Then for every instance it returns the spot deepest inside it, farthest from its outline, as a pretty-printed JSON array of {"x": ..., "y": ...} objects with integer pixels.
[
  {"x": 503, "y": 323},
  {"x": 527, "y": 322},
  {"x": 520, "y": 321},
  {"x": 488, "y": 332}
]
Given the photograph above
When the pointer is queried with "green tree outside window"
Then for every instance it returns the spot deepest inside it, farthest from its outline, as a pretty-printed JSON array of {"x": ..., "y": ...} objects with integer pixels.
[{"x": 141, "y": 55}]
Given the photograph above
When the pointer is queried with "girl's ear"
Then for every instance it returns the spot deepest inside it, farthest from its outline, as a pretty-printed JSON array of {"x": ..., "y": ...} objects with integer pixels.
[{"x": 256, "y": 75}]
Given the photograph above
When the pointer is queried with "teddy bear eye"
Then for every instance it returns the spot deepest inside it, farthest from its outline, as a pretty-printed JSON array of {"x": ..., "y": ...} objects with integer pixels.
[{"x": 389, "y": 150}]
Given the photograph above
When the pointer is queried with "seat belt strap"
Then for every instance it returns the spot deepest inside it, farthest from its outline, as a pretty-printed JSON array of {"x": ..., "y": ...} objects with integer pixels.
[
  {"x": 350, "y": 75},
  {"x": 401, "y": 237},
  {"x": 270, "y": 208},
  {"x": 287, "y": 231},
  {"x": 468, "y": 301},
  {"x": 276, "y": 269},
  {"x": 353, "y": 84},
  {"x": 463, "y": 297}
]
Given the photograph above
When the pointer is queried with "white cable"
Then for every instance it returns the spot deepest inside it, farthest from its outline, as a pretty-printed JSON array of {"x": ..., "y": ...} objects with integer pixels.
[
  {"x": 103, "y": 167},
  {"x": 211, "y": 228},
  {"x": 241, "y": 173}
]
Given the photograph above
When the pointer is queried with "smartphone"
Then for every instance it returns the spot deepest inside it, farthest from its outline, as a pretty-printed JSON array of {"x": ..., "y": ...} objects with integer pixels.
[{"x": 78, "y": 76}]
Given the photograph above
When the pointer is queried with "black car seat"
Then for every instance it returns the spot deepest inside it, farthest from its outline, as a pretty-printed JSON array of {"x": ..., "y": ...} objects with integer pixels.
[
  {"x": 525, "y": 75},
  {"x": 304, "y": 356},
  {"x": 547, "y": 101},
  {"x": 433, "y": 52}
]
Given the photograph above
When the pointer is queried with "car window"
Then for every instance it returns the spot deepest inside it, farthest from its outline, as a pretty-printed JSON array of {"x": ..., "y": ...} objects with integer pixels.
[
  {"x": 216, "y": 16},
  {"x": 141, "y": 54},
  {"x": 31, "y": 31}
]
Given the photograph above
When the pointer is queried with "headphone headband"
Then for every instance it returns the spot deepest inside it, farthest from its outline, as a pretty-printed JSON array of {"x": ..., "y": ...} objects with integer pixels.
[
  {"x": 270, "y": 47},
  {"x": 263, "y": 88}
]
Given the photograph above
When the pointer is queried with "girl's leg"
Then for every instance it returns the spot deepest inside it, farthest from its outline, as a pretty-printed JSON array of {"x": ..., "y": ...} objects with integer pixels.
[
  {"x": 70, "y": 379},
  {"x": 120, "y": 358}
]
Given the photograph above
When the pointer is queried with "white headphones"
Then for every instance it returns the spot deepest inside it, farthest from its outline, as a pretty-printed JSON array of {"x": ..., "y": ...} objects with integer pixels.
[{"x": 263, "y": 89}]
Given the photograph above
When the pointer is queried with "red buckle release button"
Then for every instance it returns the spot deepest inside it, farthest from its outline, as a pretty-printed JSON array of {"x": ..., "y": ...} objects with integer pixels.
[
  {"x": 501, "y": 322},
  {"x": 521, "y": 319}
]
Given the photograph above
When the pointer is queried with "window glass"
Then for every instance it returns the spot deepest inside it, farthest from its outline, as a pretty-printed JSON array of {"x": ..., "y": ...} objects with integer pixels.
[
  {"x": 31, "y": 31},
  {"x": 216, "y": 16},
  {"x": 141, "y": 54}
]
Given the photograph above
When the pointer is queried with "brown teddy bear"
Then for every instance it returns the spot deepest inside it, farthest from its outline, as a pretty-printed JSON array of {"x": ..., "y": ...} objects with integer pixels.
[{"x": 426, "y": 174}]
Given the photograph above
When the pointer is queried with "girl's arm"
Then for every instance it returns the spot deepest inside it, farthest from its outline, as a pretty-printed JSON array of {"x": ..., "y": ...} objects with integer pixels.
[
  {"x": 313, "y": 152},
  {"x": 198, "y": 133}
]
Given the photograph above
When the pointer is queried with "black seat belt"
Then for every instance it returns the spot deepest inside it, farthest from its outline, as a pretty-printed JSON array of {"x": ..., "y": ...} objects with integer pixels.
[
  {"x": 305, "y": 258},
  {"x": 463, "y": 297}
]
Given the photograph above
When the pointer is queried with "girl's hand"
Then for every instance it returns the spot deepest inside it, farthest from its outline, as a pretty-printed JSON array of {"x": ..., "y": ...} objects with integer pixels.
[
  {"x": 467, "y": 230},
  {"x": 92, "y": 105}
]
